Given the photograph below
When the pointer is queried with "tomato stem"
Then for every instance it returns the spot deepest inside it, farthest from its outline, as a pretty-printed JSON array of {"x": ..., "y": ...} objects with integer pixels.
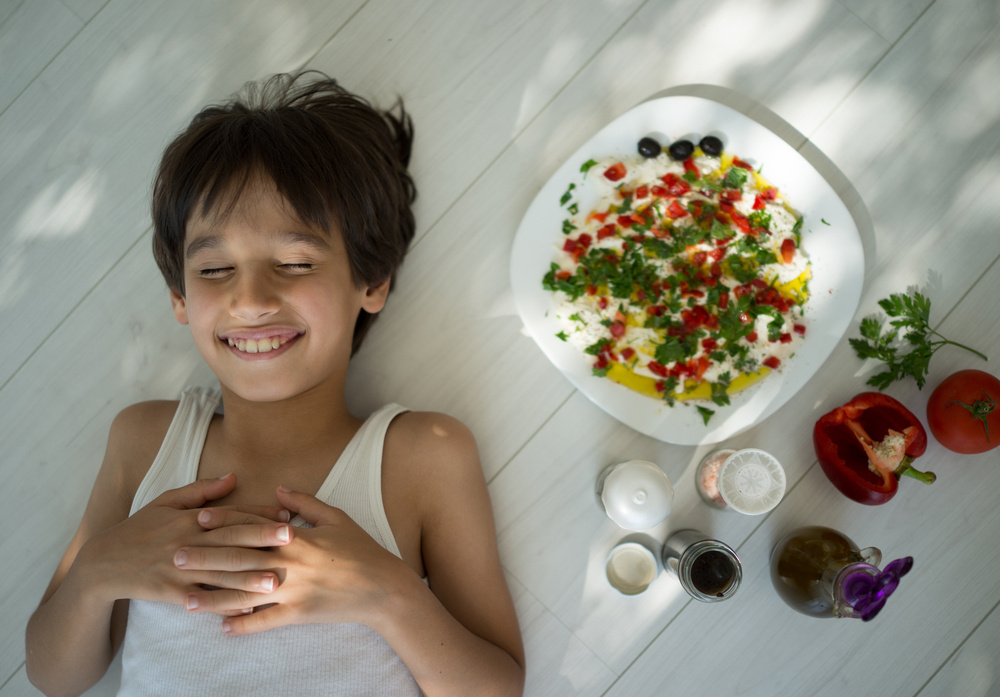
[{"x": 980, "y": 410}]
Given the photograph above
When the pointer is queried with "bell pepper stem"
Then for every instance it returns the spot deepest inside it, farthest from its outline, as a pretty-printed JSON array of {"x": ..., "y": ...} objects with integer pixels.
[{"x": 906, "y": 468}]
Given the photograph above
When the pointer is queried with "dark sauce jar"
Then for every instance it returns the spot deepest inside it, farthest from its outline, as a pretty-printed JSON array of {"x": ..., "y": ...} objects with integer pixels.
[{"x": 708, "y": 570}]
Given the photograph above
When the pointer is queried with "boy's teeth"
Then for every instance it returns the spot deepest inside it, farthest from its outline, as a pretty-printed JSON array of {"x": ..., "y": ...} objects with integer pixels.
[{"x": 257, "y": 345}]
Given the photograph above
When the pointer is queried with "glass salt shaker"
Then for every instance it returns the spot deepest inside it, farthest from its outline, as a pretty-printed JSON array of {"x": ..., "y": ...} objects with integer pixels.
[{"x": 749, "y": 481}]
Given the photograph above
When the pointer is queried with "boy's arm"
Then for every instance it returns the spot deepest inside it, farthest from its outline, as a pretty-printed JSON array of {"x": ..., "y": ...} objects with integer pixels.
[
  {"x": 79, "y": 625},
  {"x": 460, "y": 635},
  {"x": 465, "y": 638},
  {"x": 75, "y": 632}
]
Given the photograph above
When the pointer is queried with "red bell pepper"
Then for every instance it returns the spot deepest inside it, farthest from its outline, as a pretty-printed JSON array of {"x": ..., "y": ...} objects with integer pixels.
[{"x": 867, "y": 444}]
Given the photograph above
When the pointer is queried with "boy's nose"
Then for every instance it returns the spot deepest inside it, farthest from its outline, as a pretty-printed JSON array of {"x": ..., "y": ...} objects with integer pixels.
[{"x": 254, "y": 296}]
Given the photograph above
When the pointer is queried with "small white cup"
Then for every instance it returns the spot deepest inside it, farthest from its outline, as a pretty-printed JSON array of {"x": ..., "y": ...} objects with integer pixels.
[{"x": 631, "y": 567}]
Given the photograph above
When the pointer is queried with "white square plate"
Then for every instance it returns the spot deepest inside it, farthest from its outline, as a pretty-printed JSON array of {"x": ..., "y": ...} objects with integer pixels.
[{"x": 829, "y": 237}]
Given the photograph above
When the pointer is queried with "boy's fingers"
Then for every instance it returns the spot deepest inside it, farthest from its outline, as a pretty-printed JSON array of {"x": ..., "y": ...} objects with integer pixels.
[
  {"x": 312, "y": 510},
  {"x": 197, "y": 494},
  {"x": 256, "y": 535},
  {"x": 212, "y": 518},
  {"x": 260, "y": 621},
  {"x": 254, "y": 590},
  {"x": 227, "y": 559}
]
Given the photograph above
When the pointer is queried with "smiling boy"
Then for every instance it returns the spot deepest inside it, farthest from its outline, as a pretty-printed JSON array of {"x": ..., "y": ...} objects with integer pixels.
[{"x": 280, "y": 219}]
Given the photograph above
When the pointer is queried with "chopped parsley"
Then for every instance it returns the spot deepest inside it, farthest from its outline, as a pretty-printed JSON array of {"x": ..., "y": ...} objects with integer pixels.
[{"x": 690, "y": 274}]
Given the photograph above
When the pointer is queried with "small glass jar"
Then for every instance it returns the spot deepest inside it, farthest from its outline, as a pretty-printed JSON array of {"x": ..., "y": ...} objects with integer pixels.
[
  {"x": 707, "y": 478},
  {"x": 707, "y": 569},
  {"x": 749, "y": 481}
]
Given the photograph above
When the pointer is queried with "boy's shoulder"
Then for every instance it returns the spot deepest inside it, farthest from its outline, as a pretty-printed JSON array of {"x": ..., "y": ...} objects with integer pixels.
[
  {"x": 425, "y": 437},
  {"x": 135, "y": 438},
  {"x": 430, "y": 458}
]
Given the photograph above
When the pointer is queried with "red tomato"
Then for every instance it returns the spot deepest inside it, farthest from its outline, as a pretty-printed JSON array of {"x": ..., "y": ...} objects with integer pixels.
[{"x": 954, "y": 425}]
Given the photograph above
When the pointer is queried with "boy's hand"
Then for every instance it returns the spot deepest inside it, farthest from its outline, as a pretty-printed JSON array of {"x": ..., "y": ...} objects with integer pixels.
[
  {"x": 333, "y": 572},
  {"x": 138, "y": 558}
]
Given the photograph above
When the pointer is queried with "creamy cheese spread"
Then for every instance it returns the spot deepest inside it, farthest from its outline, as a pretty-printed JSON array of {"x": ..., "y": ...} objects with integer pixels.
[{"x": 686, "y": 280}]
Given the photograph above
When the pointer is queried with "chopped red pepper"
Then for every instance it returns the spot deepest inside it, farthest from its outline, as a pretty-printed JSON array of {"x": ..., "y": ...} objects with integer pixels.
[
  {"x": 657, "y": 369},
  {"x": 787, "y": 250},
  {"x": 867, "y": 444},
  {"x": 740, "y": 221},
  {"x": 615, "y": 172},
  {"x": 676, "y": 210},
  {"x": 675, "y": 185}
]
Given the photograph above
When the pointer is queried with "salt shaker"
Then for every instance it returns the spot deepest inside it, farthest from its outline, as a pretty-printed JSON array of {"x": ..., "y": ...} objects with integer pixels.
[
  {"x": 749, "y": 481},
  {"x": 637, "y": 495}
]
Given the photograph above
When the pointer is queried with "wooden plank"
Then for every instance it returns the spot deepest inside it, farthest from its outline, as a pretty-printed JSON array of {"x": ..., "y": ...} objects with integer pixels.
[
  {"x": 889, "y": 19},
  {"x": 31, "y": 34},
  {"x": 85, "y": 9},
  {"x": 560, "y": 664},
  {"x": 972, "y": 670}
]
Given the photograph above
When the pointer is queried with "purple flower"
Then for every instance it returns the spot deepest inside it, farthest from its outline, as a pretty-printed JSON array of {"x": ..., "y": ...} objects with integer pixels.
[{"x": 867, "y": 593}]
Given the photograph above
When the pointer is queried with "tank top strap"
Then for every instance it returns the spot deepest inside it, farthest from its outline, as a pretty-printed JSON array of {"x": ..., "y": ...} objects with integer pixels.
[
  {"x": 176, "y": 463},
  {"x": 354, "y": 483}
]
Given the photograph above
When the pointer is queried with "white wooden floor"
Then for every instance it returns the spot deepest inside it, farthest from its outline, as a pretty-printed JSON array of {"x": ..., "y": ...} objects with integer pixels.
[{"x": 901, "y": 95}]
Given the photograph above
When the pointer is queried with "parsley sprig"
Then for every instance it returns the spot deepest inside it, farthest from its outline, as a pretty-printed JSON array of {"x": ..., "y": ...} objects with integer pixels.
[{"x": 912, "y": 317}]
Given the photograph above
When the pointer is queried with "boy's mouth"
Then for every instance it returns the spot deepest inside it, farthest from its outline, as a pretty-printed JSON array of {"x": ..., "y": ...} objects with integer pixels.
[
  {"x": 257, "y": 345},
  {"x": 258, "y": 341}
]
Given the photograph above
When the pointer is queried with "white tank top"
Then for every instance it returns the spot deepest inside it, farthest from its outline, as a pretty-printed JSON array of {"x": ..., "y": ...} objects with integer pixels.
[{"x": 169, "y": 651}]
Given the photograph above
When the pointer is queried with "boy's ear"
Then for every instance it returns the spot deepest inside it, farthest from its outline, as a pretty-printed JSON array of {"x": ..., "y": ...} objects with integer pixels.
[
  {"x": 180, "y": 306},
  {"x": 374, "y": 299}
]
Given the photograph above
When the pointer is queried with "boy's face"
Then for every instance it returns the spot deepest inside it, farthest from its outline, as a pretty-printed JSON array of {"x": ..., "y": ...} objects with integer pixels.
[{"x": 270, "y": 300}]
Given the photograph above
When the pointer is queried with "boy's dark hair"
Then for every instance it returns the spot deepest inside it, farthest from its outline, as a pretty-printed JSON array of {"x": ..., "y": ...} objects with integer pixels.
[{"x": 335, "y": 159}]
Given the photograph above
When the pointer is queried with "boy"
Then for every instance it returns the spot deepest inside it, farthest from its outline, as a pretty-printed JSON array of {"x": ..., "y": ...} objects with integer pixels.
[{"x": 279, "y": 220}]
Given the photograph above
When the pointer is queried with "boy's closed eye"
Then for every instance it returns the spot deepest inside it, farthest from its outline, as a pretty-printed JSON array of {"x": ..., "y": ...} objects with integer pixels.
[{"x": 221, "y": 270}]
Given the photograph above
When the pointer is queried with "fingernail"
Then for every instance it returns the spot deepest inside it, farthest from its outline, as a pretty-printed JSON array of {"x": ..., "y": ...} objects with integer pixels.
[
  {"x": 191, "y": 602},
  {"x": 285, "y": 489},
  {"x": 226, "y": 626},
  {"x": 267, "y": 583},
  {"x": 204, "y": 516},
  {"x": 181, "y": 557},
  {"x": 226, "y": 476},
  {"x": 284, "y": 516},
  {"x": 283, "y": 533}
]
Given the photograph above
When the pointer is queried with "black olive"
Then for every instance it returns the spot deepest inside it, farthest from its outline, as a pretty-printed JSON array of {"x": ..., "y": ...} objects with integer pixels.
[
  {"x": 681, "y": 149},
  {"x": 710, "y": 145},
  {"x": 648, "y": 147}
]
